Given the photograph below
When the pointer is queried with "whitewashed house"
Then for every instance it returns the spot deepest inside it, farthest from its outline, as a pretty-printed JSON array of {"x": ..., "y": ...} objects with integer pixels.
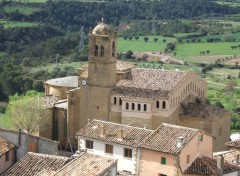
[{"x": 114, "y": 140}]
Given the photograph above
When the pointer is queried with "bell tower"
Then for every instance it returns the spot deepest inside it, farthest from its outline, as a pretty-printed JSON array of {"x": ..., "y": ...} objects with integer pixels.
[
  {"x": 101, "y": 78},
  {"x": 102, "y": 56}
]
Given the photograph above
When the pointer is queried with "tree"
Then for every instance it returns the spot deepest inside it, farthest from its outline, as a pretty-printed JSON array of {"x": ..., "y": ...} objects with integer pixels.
[
  {"x": 219, "y": 104},
  {"x": 136, "y": 37},
  {"x": 27, "y": 112},
  {"x": 155, "y": 39},
  {"x": 145, "y": 39},
  {"x": 164, "y": 40},
  {"x": 130, "y": 37},
  {"x": 129, "y": 54}
]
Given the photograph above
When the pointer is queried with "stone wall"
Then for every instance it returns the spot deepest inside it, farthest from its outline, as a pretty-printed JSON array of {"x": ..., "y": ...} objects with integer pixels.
[{"x": 22, "y": 140}]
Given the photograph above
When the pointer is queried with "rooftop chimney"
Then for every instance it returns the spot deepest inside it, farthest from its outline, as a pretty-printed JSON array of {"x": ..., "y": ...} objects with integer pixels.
[
  {"x": 180, "y": 141},
  {"x": 102, "y": 130},
  {"x": 120, "y": 134},
  {"x": 220, "y": 160}
]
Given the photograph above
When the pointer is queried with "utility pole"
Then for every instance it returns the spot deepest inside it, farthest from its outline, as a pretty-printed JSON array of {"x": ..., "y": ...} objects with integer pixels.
[
  {"x": 81, "y": 43},
  {"x": 57, "y": 59}
]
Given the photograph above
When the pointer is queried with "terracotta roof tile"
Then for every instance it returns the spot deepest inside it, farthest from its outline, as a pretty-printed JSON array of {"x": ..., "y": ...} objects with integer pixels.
[
  {"x": 230, "y": 156},
  {"x": 84, "y": 75},
  {"x": 5, "y": 146},
  {"x": 149, "y": 83},
  {"x": 49, "y": 101},
  {"x": 132, "y": 136},
  {"x": 201, "y": 110},
  {"x": 33, "y": 163},
  {"x": 165, "y": 138},
  {"x": 86, "y": 164},
  {"x": 235, "y": 144},
  {"x": 204, "y": 165},
  {"x": 120, "y": 66}
]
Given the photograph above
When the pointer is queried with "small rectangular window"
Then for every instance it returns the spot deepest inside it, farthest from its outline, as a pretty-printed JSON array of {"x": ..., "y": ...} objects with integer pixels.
[
  {"x": 109, "y": 149},
  {"x": 201, "y": 137},
  {"x": 162, "y": 175},
  {"x": 164, "y": 160},
  {"x": 89, "y": 144},
  {"x": 188, "y": 159},
  {"x": 128, "y": 152},
  {"x": 7, "y": 156}
]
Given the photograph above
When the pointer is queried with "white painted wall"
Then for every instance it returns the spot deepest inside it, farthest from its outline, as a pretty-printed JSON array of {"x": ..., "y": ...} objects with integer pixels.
[
  {"x": 231, "y": 174},
  {"x": 127, "y": 164}
]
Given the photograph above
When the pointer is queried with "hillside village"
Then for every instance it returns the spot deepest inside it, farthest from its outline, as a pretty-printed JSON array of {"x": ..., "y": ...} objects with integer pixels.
[{"x": 116, "y": 119}]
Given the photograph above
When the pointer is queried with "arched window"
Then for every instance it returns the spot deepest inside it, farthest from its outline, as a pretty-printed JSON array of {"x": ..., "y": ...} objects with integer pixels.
[
  {"x": 164, "y": 104},
  {"x": 113, "y": 49},
  {"x": 127, "y": 106},
  {"x": 133, "y": 106},
  {"x": 96, "y": 50},
  {"x": 115, "y": 100},
  {"x": 157, "y": 104},
  {"x": 144, "y": 107},
  {"x": 102, "y": 51},
  {"x": 139, "y": 107},
  {"x": 120, "y": 101}
]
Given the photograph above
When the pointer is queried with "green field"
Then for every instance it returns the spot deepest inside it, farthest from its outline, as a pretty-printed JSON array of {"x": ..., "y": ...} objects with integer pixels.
[
  {"x": 141, "y": 46},
  {"x": 11, "y": 24},
  {"x": 30, "y": 1},
  {"x": 189, "y": 50},
  {"x": 21, "y": 9}
]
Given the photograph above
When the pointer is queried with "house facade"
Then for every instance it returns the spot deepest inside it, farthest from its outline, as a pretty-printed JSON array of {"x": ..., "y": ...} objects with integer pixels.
[
  {"x": 168, "y": 150},
  {"x": 7, "y": 154},
  {"x": 116, "y": 91}
]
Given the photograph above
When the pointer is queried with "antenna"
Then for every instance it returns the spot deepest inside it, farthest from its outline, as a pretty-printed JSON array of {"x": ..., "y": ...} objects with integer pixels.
[{"x": 153, "y": 26}]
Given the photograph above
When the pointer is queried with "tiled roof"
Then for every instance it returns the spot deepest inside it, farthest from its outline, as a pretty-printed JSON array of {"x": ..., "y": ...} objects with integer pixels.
[
  {"x": 49, "y": 101},
  {"x": 120, "y": 67},
  {"x": 86, "y": 164},
  {"x": 235, "y": 144},
  {"x": 201, "y": 110},
  {"x": 204, "y": 165},
  {"x": 84, "y": 75},
  {"x": 5, "y": 146},
  {"x": 165, "y": 138},
  {"x": 132, "y": 136},
  {"x": 149, "y": 83},
  {"x": 33, "y": 163},
  {"x": 69, "y": 81},
  {"x": 230, "y": 156}
]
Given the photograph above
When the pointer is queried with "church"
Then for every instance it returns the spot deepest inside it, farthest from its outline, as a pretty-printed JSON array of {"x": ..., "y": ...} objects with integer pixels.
[{"x": 111, "y": 90}]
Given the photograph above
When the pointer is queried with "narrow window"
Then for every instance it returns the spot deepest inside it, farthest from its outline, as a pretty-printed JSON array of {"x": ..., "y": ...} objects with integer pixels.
[
  {"x": 163, "y": 160},
  {"x": 7, "y": 156},
  {"x": 164, "y": 104},
  {"x": 102, "y": 51},
  {"x": 115, "y": 100},
  {"x": 139, "y": 107},
  {"x": 128, "y": 152},
  {"x": 113, "y": 49},
  {"x": 220, "y": 131},
  {"x": 89, "y": 144},
  {"x": 171, "y": 103},
  {"x": 144, "y": 107},
  {"x": 188, "y": 159},
  {"x": 96, "y": 50},
  {"x": 109, "y": 149},
  {"x": 120, "y": 101},
  {"x": 133, "y": 106},
  {"x": 201, "y": 137},
  {"x": 127, "y": 105},
  {"x": 157, "y": 104},
  {"x": 162, "y": 175}
]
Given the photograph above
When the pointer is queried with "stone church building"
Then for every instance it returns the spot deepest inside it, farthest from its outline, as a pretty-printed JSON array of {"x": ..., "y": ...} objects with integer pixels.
[{"x": 111, "y": 90}]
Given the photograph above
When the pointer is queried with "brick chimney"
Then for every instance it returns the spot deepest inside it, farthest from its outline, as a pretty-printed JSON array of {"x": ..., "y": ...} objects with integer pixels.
[
  {"x": 120, "y": 134},
  {"x": 102, "y": 130},
  {"x": 220, "y": 161}
]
